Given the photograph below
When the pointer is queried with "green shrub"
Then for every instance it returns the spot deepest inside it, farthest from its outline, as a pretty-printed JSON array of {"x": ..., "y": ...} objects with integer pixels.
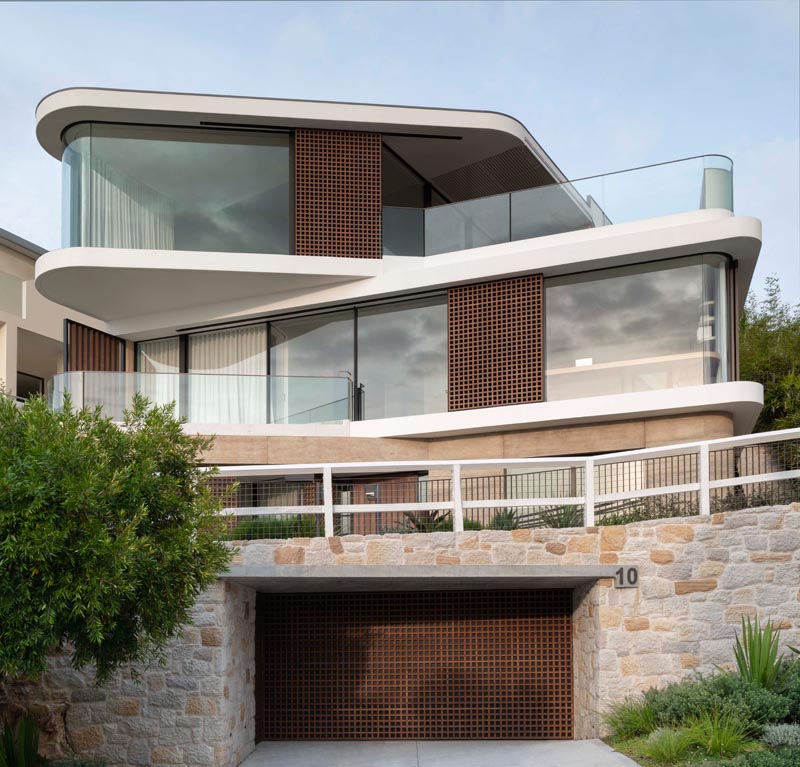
[
  {"x": 776, "y": 735},
  {"x": 77, "y": 761},
  {"x": 19, "y": 747},
  {"x": 667, "y": 746},
  {"x": 630, "y": 718},
  {"x": 504, "y": 520},
  {"x": 755, "y": 705},
  {"x": 756, "y": 653},
  {"x": 678, "y": 703},
  {"x": 789, "y": 686},
  {"x": 718, "y": 734},
  {"x": 784, "y": 757},
  {"x": 271, "y": 527},
  {"x": 561, "y": 516}
]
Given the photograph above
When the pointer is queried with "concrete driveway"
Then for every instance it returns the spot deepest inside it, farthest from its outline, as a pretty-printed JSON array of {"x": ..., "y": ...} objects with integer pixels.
[{"x": 437, "y": 753}]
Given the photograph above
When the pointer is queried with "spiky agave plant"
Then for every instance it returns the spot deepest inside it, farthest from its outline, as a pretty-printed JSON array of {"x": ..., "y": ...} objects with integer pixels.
[
  {"x": 20, "y": 747},
  {"x": 756, "y": 653}
]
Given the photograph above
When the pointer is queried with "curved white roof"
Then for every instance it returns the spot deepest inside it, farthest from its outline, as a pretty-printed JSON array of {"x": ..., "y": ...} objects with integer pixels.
[{"x": 494, "y": 131}]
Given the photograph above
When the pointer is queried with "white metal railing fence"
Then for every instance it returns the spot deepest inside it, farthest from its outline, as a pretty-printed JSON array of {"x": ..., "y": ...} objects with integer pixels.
[{"x": 430, "y": 496}]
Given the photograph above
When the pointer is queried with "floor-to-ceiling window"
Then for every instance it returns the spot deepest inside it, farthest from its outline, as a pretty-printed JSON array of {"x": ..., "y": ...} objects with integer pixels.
[
  {"x": 637, "y": 328},
  {"x": 129, "y": 186},
  {"x": 402, "y": 357},
  {"x": 307, "y": 355}
]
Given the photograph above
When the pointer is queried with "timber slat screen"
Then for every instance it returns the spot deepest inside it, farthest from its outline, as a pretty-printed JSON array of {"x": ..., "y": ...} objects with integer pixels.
[
  {"x": 419, "y": 665},
  {"x": 87, "y": 348}
]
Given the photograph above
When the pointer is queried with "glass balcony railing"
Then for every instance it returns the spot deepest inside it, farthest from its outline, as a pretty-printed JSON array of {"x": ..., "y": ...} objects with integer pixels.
[
  {"x": 614, "y": 198},
  {"x": 211, "y": 398}
]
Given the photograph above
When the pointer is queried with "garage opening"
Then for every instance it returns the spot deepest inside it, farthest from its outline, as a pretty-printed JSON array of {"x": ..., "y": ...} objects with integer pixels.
[{"x": 414, "y": 665}]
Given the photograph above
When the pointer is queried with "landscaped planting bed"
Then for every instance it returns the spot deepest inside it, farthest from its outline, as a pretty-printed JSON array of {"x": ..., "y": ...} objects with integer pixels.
[{"x": 744, "y": 718}]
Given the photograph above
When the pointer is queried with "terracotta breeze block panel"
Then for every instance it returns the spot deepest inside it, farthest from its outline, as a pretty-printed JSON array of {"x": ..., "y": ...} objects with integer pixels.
[
  {"x": 495, "y": 343},
  {"x": 337, "y": 179},
  {"x": 422, "y": 665}
]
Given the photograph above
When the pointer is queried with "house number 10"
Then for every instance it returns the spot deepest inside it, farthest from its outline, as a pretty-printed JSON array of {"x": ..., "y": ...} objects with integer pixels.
[{"x": 626, "y": 578}]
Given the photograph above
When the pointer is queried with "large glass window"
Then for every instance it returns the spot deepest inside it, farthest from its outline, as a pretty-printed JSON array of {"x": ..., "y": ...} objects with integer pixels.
[
  {"x": 637, "y": 328},
  {"x": 176, "y": 189},
  {"x": 402, "y": 358},
  {"x": 307, "y": 353}
]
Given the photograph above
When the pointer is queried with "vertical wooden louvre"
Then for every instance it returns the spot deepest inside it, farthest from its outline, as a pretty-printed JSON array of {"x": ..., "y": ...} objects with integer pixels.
[
  {"x": 416, "y": 665},
  {"x": 87, "y": 348}
]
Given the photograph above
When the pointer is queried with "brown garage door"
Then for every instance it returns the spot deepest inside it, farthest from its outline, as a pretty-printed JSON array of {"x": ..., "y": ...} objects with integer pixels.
[{"x": 421, "y": 665}]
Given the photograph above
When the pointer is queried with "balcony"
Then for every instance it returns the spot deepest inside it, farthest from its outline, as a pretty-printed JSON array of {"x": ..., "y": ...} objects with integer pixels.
[
  {"x": 211, "y": 398},
  {"x": 696, "y": 183}
]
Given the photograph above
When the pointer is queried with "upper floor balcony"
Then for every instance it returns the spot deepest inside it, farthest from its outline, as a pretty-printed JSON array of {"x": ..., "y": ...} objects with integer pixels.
[
  {"x": 695, "y": 183},
  {"x": 173, "y": 189}
]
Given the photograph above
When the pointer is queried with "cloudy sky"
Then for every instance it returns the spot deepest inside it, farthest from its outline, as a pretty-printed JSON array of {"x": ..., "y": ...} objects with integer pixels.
[{"x": 602, "y": 85}]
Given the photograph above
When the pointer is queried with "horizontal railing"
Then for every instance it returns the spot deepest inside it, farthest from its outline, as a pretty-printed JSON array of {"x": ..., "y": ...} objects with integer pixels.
[
  {"x": 695, "y": 183},
  {"x": 504, "y": 494},
  {"x": 211, "y": 398}
]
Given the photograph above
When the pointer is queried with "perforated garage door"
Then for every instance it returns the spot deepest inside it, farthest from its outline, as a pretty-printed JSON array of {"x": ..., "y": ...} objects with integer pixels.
[{"x": 422, "y": 665}]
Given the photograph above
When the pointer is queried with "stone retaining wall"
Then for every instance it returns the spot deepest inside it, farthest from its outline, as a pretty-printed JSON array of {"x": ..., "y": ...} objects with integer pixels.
[
  {"x": 198, "y": 709},
  {"x": 698, "y": 576}
]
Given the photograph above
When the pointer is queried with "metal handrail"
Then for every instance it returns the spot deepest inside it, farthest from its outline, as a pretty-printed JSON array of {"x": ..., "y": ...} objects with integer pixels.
[{"x": 588, "y": 497}]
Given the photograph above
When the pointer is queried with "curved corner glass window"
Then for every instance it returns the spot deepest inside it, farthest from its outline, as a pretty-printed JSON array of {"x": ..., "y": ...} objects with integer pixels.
[
  {"x": 128, "y": 186},
  {"x": 638, "y": 328}
]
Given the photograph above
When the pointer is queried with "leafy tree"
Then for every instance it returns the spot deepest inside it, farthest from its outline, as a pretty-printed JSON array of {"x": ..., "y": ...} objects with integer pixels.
[
  {"x": 769, "y": 353},
  {"x": 108, "y": 534}
]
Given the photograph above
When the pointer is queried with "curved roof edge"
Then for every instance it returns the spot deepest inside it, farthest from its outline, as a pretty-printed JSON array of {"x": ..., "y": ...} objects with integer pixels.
[{"x": 62, "y": 108}]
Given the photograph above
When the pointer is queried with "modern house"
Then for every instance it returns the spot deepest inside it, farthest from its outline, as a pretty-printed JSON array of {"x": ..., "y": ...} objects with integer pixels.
[
  {"x": 414, "y": 337},
  {"x": 316, "y": 280}
]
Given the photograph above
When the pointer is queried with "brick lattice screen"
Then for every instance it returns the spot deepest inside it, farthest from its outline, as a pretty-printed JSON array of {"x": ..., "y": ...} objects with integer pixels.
[
  {"x": 337, "y": 181},
  {"x": 495, "y": 344},
  {"x": 422, "y": 665}
]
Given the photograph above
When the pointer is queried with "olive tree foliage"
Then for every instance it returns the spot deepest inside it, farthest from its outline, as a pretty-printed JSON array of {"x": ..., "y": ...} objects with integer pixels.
[
  {"x": 769, "y": 353},
  {"x": 108, "y": 534}
]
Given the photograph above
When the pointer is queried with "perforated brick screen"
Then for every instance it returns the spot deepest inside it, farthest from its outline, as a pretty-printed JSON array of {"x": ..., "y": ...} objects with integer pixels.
[
  {"x": 422, "y": 665},
  {"x": 337, "y": 181},
  {"x": 494, "y": 343}
]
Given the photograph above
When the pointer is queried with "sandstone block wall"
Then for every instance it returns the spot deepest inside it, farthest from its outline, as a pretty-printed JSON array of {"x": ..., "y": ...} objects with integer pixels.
[
  {"x": 698, "y": 577},
  {"x": 198, "y": 709}
]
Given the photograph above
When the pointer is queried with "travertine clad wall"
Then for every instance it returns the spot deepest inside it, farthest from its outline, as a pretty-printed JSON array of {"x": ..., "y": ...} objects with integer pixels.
[
  {"x": 198, "y": 709},
  {"x": 698, "y": 577}
]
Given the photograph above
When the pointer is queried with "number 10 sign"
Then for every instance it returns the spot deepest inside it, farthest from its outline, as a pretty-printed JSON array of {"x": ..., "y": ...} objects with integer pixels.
[{"x": 626, "y": 578}]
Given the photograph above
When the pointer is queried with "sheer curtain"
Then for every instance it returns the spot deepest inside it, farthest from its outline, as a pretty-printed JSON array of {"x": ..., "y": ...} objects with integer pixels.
[
  {"x": 125, "y": 213},
  {"x": 158, "y": 366},
  {"x": 229, "y": 376}
]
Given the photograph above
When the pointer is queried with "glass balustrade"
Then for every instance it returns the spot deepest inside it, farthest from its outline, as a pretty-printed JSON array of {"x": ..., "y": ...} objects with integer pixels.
[
  {"x": 681, "y": 186},
  {"x": 211, "y": 398}
]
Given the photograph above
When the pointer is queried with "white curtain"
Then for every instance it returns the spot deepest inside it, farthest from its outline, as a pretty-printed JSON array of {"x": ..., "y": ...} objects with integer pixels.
[
  {"x": 125, "y": 213},
  {"x": 229, "y": 376},
  {"x": 159, "y": 365}
]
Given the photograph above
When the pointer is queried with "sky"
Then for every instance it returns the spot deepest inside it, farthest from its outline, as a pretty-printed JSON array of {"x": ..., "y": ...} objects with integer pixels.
[{"x": 603, "y": 86}]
